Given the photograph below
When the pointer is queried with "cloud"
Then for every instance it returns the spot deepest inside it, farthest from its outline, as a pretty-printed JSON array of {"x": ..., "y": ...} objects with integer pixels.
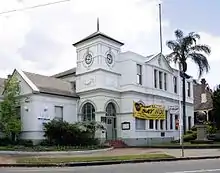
[{"x": 40, "y": 40}]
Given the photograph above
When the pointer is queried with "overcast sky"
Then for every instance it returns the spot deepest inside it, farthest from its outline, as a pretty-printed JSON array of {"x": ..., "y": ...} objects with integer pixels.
[{"x": 40, "y": 40}]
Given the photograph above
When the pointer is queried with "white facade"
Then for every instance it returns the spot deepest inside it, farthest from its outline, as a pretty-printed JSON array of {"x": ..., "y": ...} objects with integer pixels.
[
  {"x": 107, "y": 82},
  {"x": 100, "y": 83}
]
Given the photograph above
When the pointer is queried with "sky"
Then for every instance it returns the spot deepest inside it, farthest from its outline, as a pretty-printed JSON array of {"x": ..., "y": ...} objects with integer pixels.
[{"x": 40, "y": 40}]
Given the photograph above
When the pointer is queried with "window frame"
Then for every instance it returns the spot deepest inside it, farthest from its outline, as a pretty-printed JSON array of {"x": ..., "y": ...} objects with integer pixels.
[
  {"x": 155, "y": 78},
  {"x": 151, "y": 124},
  {"x": 171, "y": 121},
  {"x": 139, "y": 74},
  {"x": 175, "y": 84},
  {"x": 138, "y": 123},
  {"x": 160, "y": 80},
  {"x": 188, "y": 89},
  {"x": 59, "y": 118},
  {"x": 84, "y": 116},
  {"x": 165, "y": 81}
]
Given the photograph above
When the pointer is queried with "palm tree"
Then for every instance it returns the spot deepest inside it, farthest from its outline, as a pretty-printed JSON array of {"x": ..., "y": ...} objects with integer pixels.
[{"x": 185, "y": 48}]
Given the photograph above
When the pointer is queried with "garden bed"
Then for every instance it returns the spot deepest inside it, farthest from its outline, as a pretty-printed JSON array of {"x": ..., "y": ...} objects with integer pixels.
[{"x": 50, "y": 148}]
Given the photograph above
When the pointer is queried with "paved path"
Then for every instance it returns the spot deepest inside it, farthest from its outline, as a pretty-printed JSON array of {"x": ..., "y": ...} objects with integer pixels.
[
  {"x": 192, "y": 152},
  {"x": 200, "y": 166}
]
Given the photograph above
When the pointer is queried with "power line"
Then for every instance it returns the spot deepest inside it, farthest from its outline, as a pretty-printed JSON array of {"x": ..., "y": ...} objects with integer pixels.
[{"x": 32, "y": 7}]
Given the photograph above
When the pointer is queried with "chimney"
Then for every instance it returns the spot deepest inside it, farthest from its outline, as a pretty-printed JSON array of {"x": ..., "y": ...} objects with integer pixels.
[
  {"x": 203, "y": 91},
  {"x": 204, "y": 84},
  {"x": 9, "y": 76}
]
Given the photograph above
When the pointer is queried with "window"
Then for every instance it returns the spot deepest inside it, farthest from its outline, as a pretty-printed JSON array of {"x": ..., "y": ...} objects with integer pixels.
[
  {"x": 140, "y": 124},
  {"x": 139, "y": 74},
  {"x": 88, "y": 112},
  {"x": 160, "y": 80},
  {"x": 176, "y": 120},
  {"x": 175, "y": 84},
  {"x": 188, "y": 89},
  {"x": 59, "y": 112},
  {"x": 189, "y": 122},
  {"x": 156, "y": 124},
  {"x": 171, "y": 121},
  {"x": 166, "y": 122},
  {"x": 155, "y": 78},
  {"x": 165, "y": 81},
  {"x": 151, "y": 124},
  {"x": 161, "y": 124}
]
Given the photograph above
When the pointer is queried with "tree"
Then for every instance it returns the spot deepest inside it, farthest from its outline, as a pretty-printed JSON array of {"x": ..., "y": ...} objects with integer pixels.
[
  {"x": 10, "y": 122},
  {"x": 216, "y": 105},
  {"x": 185, "y": 48}
]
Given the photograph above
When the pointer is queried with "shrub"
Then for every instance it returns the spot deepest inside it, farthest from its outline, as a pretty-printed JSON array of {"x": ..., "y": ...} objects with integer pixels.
[
  {"x": 5, "y": 142},
  {"x": 211, "y": 129},
  {"x": 193, "y": 128},
  {"x": 23, "y": 142},
  {"x": 189, "y": 137},
  {"x": 62, "y": 133}
]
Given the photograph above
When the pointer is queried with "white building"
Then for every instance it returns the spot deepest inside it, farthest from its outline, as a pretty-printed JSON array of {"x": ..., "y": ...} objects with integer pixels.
[{"x": 103, "y": 87}]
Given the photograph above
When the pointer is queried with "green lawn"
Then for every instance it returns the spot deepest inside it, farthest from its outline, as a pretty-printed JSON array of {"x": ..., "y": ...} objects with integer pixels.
[{"x": 43, "y": 160}]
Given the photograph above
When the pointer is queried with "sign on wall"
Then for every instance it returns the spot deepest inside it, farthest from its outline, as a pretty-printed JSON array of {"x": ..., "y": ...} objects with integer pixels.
[
  {"x": 150, "y": 112},
  {"x": 174, "y": 109}
]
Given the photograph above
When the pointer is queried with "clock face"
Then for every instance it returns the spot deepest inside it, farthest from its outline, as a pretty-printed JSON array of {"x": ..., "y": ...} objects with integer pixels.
[
  {"x": 109, "y": 59},
  {"x": 88, "y": 59}
]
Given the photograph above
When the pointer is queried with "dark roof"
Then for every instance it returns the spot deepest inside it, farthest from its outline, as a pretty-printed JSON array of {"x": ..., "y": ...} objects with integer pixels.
[
  {"x": 51, "y": 85},
  {"x": 198, "y": 89},
  {"x": 98, "y": 34},
  {"x": 2, "y": 81},
  {"x": 65, "y": 73}
]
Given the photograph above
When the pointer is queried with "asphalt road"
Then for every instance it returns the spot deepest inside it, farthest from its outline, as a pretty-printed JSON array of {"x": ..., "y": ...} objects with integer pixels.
[{"x": 191, "y": 166}]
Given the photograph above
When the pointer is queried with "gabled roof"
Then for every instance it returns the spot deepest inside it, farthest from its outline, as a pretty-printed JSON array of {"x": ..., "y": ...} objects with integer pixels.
[
  {"x": 71, "y": 71},
  {"x": 198, "y": 89},
  {"x": 51, "y": 85},
  {"x": 151, "y": 57},
  {"x": 98, "y": 34}
]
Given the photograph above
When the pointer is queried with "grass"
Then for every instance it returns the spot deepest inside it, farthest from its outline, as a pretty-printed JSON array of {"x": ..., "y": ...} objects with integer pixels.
[
  {"x": 48, "y": 148},
  {"x": 50, "y": 160}
]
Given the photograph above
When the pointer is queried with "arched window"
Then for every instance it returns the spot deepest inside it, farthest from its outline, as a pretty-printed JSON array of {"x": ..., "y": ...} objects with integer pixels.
[
  {"x": 110, "y": 110},
  {"x": 88, "y": 112}
]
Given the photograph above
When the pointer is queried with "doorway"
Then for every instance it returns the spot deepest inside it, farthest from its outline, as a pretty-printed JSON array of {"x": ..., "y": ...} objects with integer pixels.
[{"x": 111, "y": 128}]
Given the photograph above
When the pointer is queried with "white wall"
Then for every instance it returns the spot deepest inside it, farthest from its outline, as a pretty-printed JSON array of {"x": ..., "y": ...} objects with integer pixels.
[
  {"x": 31, "y": 124},
  {"x": 25, "y": 89},
  {"x": 127, "y": 109}
]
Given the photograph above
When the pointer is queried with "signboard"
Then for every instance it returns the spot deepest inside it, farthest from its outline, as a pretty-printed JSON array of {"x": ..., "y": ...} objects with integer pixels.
[
  {"x": 150, "y": 112},
  {"x": 174, "y": 109},
  {"x": 44, "y": 116}
]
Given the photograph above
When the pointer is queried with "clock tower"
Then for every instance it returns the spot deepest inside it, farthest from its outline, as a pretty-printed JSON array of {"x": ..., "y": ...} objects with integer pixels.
[{"x": 97, "y": 57}]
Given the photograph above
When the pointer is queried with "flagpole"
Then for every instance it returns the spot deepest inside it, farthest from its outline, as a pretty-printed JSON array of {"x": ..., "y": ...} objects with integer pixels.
[
  {"x": 160, "y": 21},
  {"x": 180, "y": 115}
]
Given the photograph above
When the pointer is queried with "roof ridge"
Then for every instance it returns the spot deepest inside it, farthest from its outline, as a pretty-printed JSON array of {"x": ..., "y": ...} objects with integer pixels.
[{"x": 58, "y": 79}]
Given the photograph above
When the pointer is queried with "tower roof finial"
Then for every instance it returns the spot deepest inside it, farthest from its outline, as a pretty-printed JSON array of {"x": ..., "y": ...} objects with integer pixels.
[{"x": 97, "y": 24}]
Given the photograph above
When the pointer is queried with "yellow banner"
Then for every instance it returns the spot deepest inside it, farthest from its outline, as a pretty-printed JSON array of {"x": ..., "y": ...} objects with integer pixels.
[{"x": 150, "y": 112}]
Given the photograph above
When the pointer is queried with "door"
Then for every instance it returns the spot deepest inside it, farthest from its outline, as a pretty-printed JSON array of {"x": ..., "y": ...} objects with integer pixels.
[
  {"x": 109, "y": 128},
  {"x": 111, "y": 122}
]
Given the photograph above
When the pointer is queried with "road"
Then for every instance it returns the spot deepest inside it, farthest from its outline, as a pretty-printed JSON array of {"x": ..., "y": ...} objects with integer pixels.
[{"x": 191, "y": 166}]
